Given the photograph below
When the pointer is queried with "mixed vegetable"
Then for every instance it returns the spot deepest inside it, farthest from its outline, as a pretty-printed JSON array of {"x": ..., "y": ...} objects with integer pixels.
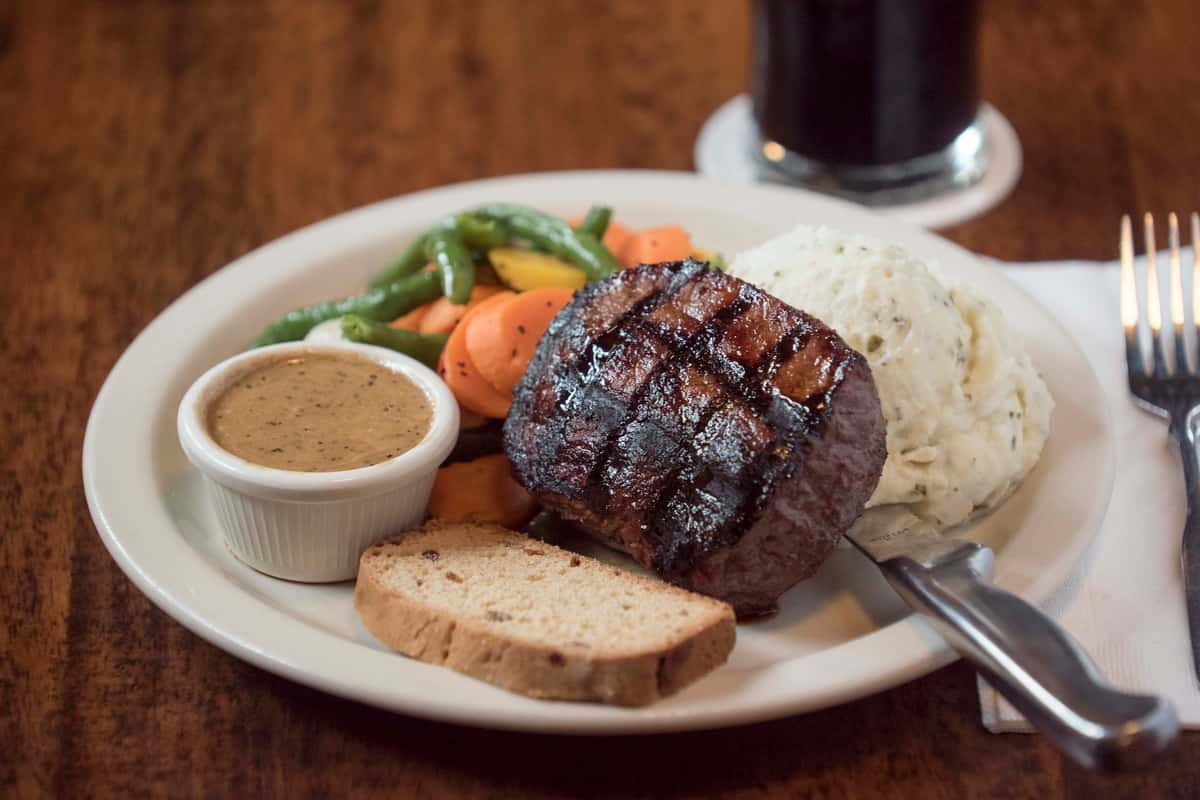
[{"x": 471, "y": 297}]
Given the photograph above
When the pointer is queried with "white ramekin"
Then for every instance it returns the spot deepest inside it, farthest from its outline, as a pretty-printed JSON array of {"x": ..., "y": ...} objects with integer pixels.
[{"x": 313, "y": 526}]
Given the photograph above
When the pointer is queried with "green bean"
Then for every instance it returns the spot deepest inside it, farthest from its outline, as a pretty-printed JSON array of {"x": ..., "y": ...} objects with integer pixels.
[
  {"x": 718, "y": 263},
  {"x": 542, "y": 230},
  {"x": 444, "y": 246},
  {"x": 481, "y": 234},
  {"x": 423, "y": 347},
  {"x": 381, "y": 304},
  {"x": 405, "y": 264},
  {"x": 596, "y": 221}
]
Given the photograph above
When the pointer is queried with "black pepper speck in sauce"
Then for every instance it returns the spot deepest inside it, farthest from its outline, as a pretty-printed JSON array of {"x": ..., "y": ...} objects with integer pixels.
[{"x": 319, "y": 413}]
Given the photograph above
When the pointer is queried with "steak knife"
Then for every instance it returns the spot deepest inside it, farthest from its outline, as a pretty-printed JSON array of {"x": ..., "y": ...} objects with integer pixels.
[{"x": 1020, "y": 651}]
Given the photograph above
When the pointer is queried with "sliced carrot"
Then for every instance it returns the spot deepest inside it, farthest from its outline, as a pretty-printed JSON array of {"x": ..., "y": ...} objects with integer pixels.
[
  {"x": 458, "y": 371},
  {"x": 412, "y": 320},
  {"x": 615, "y": 234},
  {"x": 664, "y": 243},
  {"x": 501, "y": 339},
  {"x": 494, "y": 366},
  {"x": 443, "y": 315},
  {"x": 482, "y": 490}
]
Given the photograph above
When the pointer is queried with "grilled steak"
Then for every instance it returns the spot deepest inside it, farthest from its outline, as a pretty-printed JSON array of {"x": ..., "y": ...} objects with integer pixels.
[{"x": 717, "y": 435}]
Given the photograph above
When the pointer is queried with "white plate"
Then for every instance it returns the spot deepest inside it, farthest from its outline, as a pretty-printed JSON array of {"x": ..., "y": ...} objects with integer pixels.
[{"x": 839, "y": 636}]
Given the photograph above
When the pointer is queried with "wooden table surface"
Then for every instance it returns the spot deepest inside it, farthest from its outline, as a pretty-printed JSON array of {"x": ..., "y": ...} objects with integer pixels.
[{"x": 144, "y": 145}]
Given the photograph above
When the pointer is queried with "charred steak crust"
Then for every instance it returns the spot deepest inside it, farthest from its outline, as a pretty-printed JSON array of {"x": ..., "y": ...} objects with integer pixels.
[{"x": 717, "y": 435}]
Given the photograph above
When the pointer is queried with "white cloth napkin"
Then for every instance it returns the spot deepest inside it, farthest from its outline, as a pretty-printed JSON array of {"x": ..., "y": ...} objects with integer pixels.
[{"x": 1124, "y": 604}]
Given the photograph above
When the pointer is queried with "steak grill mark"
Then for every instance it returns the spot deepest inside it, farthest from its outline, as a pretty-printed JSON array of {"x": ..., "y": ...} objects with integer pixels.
[
  {"x": 585, "y": 372},
  {"x": 788, "y": 421},
  {"x": 670, "y": 523}
]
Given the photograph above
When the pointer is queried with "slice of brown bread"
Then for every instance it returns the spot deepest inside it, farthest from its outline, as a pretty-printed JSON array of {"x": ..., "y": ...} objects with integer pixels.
[{"x": 536, "y": 619}]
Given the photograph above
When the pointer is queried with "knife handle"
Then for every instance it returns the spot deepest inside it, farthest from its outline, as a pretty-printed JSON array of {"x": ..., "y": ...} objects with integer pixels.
[{"x": 1033, "y": 662}]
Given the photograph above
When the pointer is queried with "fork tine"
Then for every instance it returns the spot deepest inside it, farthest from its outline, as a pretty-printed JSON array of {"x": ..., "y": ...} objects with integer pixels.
[
  {"x": 1134, "y": 361},
  {"x": 1153, "y": 301},
  {"x": 1175, "y": 294}
]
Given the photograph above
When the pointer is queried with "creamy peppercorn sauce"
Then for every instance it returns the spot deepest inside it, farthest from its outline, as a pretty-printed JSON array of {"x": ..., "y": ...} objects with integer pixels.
[{"x": 320, "y": 413}]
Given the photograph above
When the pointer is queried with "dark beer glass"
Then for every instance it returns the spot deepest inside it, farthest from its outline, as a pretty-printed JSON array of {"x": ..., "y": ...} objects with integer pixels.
[{"x": 869, "y": 97}]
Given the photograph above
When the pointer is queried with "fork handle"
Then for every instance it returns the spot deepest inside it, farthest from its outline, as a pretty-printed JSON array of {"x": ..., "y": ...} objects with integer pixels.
[{"x": 1185, "y": 429}]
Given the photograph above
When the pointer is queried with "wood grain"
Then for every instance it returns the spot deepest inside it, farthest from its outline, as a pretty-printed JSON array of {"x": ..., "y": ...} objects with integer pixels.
[{"x": 145, "y": 144}]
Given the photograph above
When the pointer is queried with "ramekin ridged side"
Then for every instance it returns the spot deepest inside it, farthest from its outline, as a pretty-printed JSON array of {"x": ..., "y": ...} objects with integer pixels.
[{"x": 314, "y": 542}]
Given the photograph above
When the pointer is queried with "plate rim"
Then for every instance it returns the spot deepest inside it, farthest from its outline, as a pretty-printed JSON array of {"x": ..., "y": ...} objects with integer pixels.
[{"x": 932, "y": 652}]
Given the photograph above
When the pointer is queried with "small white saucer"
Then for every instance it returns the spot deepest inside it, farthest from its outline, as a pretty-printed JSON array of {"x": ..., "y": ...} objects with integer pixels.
[{"x": 728, "y": 141}]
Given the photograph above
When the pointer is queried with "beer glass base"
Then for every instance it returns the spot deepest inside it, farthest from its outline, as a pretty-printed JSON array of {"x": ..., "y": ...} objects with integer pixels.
[
  {"x": 729, "y": 148},
  {"x": 958, "y": 166}
]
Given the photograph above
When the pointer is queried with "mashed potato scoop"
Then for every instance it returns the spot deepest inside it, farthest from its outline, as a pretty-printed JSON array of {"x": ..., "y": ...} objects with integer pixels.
[{"x": 967, "y": 413}]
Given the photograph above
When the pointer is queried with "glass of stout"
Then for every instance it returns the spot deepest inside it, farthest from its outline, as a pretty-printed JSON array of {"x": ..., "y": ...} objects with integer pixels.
[{"x": 877, "y": 100}]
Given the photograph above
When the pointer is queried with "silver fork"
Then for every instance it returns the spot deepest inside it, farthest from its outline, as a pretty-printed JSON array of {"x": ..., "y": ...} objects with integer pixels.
[{"x": 1168, "y": 385}]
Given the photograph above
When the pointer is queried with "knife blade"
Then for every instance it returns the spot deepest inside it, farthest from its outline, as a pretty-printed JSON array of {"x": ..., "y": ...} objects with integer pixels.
[
  {"x": 885, "y": 532},
  {"x": 1020, "y": 651}
]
